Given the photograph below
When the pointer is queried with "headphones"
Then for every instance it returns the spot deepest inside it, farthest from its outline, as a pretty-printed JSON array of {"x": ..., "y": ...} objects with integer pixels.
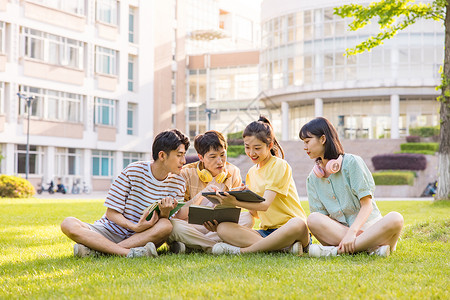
[
  {"x": 206, "y": 176},
  {"x": 333, "y": 166}
]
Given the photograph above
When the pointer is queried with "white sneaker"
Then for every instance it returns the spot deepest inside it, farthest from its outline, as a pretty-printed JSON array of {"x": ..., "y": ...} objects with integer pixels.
[
  {"x": 296, "y": 248},
  {"x": 382, "y": 251},
  {"x": 316, "y": 250},
  {"x": 80, "y": 250},
  {"x": 224, "y": 248},
  {"x": 177, "y": 247},
  {"x": 148, "y": 250}
]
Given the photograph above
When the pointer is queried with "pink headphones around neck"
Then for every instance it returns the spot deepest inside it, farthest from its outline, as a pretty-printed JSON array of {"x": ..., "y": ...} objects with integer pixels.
[{"x": 333, "y": 166}]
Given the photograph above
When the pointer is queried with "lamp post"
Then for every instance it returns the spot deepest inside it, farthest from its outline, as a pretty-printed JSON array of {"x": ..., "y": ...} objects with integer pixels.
[
  {"x": 27, "y": 160},
  {"x": 209, "y": 112}
]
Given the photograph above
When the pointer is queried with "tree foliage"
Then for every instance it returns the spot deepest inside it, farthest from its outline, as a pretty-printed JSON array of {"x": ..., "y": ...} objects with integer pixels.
[{"x": 392, "y": 16}]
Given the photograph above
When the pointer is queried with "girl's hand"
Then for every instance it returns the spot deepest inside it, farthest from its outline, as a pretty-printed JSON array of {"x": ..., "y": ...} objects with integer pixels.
[
  {"x": 166, "y": 205},
  {"x": 143, "y": 224},
  {"x": 226, "y": 199},
  {"x": 211, "y": 226},
  {"x": 347, "y": 245}
]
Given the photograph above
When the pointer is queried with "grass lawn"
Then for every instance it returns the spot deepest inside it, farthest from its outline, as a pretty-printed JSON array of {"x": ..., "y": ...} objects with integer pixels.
[{"x": 36, "y": 261}]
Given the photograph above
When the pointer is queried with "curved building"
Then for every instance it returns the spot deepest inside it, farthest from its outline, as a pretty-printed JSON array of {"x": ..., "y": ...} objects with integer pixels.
[{"x": 377, "y": 94}]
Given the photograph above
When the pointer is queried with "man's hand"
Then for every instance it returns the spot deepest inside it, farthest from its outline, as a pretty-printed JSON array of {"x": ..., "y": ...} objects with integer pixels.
[
  {"x": 143, "y": 224},
  {"x": 166, "y": 205},
  {"x": 211, "y": 226}
]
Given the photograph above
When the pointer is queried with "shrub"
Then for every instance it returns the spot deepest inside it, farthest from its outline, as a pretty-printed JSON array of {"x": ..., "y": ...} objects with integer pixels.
[
  {"x": 394, "y": 178},
  {"x": 235, "y": 150},
  {"x": 420, "y": 146},
  {"x": 413, "y": 139},
  {"x": 15, "y": 187},
  {"x": 235, "y": 142},
  {"x": 235, "y": 135},
  {"x": 399, "y": 161},
  {"x": 425, "y": 131}
]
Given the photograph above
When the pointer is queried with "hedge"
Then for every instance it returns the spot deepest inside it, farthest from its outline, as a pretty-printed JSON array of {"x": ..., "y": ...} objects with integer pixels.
[
  {"x": 425, "y": 131},
  {"x": 235, "y": 150},
  {"x": 420, "y": 146},
  {"x": 400, "y": 161},
  {"x": 15, "y": 187},
  {"x": 394, "y": 178},
  {"x": 235, "y": 135}
]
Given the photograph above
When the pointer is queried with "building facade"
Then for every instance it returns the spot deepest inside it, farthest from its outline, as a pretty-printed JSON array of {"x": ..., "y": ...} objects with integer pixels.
[
  {"x": 81, "y": 63},
  {"x": 378, "y": 94}
]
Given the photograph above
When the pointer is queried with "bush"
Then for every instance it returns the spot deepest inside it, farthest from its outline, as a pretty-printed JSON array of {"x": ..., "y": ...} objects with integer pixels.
[
  {"x": 15, "y": 187},
  {"x": 235, "y": 135},
  {"x": 413, "y": 139},
  {"x": 235, "y": 150},
  {"x": 420, "y": 146},
  {"x": 394, "y": 178},
  {"x": 235, "y": 142},
  {"x": 399, "y": 161},
  {"x": 425, "y": 131}
]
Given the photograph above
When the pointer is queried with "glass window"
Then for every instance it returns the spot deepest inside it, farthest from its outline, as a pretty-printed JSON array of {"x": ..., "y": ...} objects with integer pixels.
[
  {"x": 106, "y": 60},
  {"x": 131, "y": 118},
  {"x": 129, "y": 157},
  {"x": 131, "y": 25},
  {"x": 131, "y": 72},
  {"x": 107, "y": 11},
  {"x": 105, "y": 110},
  {"x": 72, "y": 6},
  {"x": 53, "y": 49},
  {"x": 2, "y": 37},
  {"x": 102, "y": 163},
  {"x": 52, "y": 105},
  {"x": 2, "y": 99},
  {"x": 35, "y": 159},
  {"x": 68, "y": 161}
]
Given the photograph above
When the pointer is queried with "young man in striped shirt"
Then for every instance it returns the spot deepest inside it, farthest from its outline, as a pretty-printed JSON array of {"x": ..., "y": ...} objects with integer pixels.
[{"x": 124, "y": 230}]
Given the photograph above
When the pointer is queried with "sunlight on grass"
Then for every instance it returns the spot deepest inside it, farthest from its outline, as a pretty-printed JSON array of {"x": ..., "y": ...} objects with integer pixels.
[{"x": 36, "y": 261}]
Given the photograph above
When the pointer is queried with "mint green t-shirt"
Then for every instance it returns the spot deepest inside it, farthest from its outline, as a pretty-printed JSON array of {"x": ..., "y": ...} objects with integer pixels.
[{"x": 338, "y": 196}]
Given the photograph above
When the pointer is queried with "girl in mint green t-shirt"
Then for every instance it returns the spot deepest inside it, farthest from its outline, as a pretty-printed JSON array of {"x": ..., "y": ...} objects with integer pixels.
[{"x": 344, "y": 217}]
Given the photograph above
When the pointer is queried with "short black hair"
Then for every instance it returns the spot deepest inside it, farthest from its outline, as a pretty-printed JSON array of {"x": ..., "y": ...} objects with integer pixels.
[
  {"x": 210, "y": 140},
  {"x": 167, "y": 141},
  {"x": 321, "y": 126}
]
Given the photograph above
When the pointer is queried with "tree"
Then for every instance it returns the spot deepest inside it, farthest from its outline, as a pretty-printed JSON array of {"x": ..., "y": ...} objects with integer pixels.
[{"x": 394, "y": 16}]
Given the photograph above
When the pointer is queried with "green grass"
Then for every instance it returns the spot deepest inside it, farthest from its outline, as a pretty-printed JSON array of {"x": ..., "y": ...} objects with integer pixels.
[{"x": 36, "y": 261}]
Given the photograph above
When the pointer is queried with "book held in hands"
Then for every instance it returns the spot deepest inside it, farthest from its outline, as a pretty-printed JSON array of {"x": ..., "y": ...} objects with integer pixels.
[
  {"x": 245, "y": 195},
  {"x": 154, "y": 207},
  {"x": 199, "y": 214}
]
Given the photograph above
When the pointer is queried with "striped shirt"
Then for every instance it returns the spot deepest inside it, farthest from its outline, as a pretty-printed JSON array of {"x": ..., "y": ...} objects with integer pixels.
[{"x": 134, "y": 190}]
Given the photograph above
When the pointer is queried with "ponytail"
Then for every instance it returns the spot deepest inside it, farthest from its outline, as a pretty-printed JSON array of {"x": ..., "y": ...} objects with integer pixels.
[{"x": 263, "y": 131}]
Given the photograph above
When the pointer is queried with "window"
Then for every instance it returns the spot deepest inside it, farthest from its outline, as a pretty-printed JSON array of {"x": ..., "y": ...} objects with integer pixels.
[
  {"x": 72, "y": 6},
  {"x": 105, "y": 61},
  {"x": 35, "y": 159},
  {"x": 2, "y": 37},
  {"x": 52, "y": 49},
  {"x": 130, "y": 118},
  {"x": 52, "y": 105},
  {"x": 107, "y": 11},
  {"x": 129, "y": 157},
  {"x": 131, "y": 72},
  {"x": 131, "y": 20},
  {"x": 105, "y": 110},
  {"x": 102, "y": 163},
  {"x": 68, "y": 161}
]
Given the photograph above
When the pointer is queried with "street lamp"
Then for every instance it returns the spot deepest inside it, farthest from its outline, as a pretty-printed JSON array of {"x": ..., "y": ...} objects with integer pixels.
[
  {"x": 27, "y": 160},
  {"x": 209, "y": 112}
]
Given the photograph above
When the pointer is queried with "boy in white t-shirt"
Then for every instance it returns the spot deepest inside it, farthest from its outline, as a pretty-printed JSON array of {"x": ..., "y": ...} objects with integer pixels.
[{"x": 124, "y": 230}]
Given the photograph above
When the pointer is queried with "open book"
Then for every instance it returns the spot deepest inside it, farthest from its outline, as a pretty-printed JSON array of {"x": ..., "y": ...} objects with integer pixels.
[
  {"x": 154, "y": 207},
  {"x": 199, "y": 214},
  {"x": 245, "y": 195}
]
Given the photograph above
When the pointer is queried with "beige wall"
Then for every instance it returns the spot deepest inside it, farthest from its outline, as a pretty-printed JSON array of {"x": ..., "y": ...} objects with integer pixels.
[
  {"x": 46, "y": 71},
  {"x": 101, "y": 184},
  {"x": 54, "y": 129},
  {"x": 224, "y": 60},
  {"x": 3, "y": 5},
  {"x": 106, "y": 133},
  {"x": 164, "y": 37},
  {"x": 106, "y": 82},
  {"x": 2, "y": 62},
  {"x": 107, "y": 31},
  {"x": 54, "y": 16}
]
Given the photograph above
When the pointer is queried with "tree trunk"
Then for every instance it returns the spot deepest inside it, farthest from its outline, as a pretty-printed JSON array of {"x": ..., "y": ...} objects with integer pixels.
[{"x": 443, "y": 190}]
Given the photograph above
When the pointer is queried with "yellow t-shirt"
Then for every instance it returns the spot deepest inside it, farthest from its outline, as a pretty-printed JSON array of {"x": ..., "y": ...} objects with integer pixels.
[{"x": 276, "y": 175}]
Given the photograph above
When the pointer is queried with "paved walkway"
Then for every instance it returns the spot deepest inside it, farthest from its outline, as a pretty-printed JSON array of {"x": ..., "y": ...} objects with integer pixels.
[{"x": 102, "y": 195}]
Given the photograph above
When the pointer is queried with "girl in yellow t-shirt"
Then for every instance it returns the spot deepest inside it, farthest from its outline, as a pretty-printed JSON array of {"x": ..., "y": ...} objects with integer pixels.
[{"x": 282, "y": 217}]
